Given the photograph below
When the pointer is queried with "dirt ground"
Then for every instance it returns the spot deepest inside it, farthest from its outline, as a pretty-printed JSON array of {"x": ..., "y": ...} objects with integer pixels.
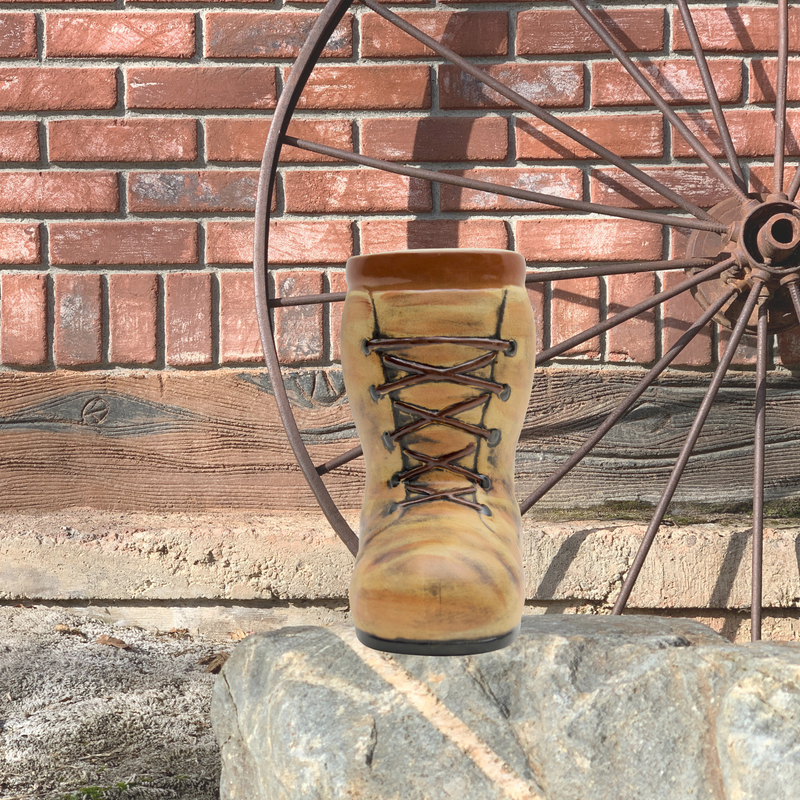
[{"x": 91, "y": 711}]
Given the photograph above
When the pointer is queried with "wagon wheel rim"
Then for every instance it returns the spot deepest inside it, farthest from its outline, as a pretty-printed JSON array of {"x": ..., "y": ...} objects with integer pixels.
[{"x": 746, "y": 266}]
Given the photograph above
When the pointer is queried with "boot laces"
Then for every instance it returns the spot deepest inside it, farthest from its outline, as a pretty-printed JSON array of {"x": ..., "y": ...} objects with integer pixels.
[{"x": 416, "y": 373}]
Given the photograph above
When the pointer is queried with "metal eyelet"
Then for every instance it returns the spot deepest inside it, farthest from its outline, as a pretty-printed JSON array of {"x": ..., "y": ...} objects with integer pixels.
[{"x": 506, "y": 393}]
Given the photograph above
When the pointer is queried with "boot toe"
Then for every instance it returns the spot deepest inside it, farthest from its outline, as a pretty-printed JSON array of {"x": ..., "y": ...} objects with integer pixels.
[{"x": 422, "y": 588}]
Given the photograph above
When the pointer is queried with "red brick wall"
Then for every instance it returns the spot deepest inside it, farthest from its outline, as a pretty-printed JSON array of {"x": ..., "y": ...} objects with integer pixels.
[{"x": 130, "y": 135}]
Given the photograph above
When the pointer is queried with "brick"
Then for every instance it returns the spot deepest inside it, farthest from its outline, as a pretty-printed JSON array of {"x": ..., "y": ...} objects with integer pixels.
[
  {"x": 373, "y": 86},
  {"x": 20, "y": 243},
  {"x": 763, "y": 76},
  {"x": 128, "y": 242},
  {"x": 746, "y": 354},
  {"x": 58, "y": 192},
  {"x": 298, "y": 329},
  {"x": 551, "y": 31},
  {"x": 555, "y": 85},
  {"x": 536, "y": 294},
  {"x": 337, "y": 283},
  {"x": 627, "y": 135},
  {"x": 562, "y": 182},
  {"x": 752, "y": 132},
  {"x": 677, "y": 81},
  {"x": 23, "y": 320},
  {"x": 235, "y": 139},
  {"x": 634, "y": 340},
  {"x": 353, "y": 191},
  {"x": 435, "y": 138},
  {"x": 580, "y": 239},
  {"x": 55, "y": 2},
  {"x": 614, "y": 187},
  {"x": 385, "y": 235},
  {"x": 77, "y": 333},
  {"x": 321, "y": 2},
  {"x": 17, "y": 35},
  {"x": 185, "y": 87},
  {"x": 736, "y": 29},
  {"x": 679, "y": 314},
  {"x": 472, "y": 33},
  {"x": 264, "y": 34},
  {"x": 678, "y": 241},
  {"x": 133, "y": 318},
  {"x": 290, "y": 242},
  {"x": 223, "y": 2},
  {"x": 19, "y": 140},
  {"x": 188, "y": 319},
  {"x": 201, "y": 190},
  {"x": 762, "y": 176},
  {"x": 139, "y": 34},
  {"x": 57, "y": 88},
  {"x": 789, "y": 347},
  {"x": 239, "y": 338},
  {"x": 123, "y": 140},
  {"x": 575, "y": 308}
]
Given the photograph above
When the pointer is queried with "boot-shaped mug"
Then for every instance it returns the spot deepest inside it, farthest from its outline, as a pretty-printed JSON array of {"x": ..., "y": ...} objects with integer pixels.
[{"x": 438, "y": 356}]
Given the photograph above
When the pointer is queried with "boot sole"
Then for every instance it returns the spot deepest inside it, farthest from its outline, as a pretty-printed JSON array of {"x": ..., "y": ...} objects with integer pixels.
[{"x": 453, "y": 647}]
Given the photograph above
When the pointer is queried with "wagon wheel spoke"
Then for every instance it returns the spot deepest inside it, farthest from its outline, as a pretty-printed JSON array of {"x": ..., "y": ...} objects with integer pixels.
[
  {"x": 633, "y": 311},
  {"x": 794, "y": 293},
  {"x": 340, "y": 461},
  {"x": 525, "y": 104},
  {"x": 626, "y": 404},
  {"x": 780, "y": 93},
  {"x": 711, "y": 93},
  {"x": 602, "y": 270},
  {"x": 505, "y": 191},
  {"x": 758, "y": 471},
  {"x": 688, "y": 447},
  {"x": 659, "y": 101},
  {"x": 307, "y": 300},
  {"x": 795, "y": 185}
]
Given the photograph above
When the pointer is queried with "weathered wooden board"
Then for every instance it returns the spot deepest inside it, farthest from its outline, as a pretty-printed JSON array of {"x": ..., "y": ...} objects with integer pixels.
[
  {"x": 213, "y": 440},
  {"x": 146, "y": 440},
  {"x": 633, "y": 462}
]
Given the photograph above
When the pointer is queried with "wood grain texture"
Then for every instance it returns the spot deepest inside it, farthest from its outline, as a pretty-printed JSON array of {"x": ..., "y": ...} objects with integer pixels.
[
  {"x": 141, "y": 440},
  {"x": 635, "y": 459}
]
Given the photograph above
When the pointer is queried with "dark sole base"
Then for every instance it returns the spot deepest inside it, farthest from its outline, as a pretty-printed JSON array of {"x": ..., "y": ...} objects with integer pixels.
[{"x": 444, "y": 648}]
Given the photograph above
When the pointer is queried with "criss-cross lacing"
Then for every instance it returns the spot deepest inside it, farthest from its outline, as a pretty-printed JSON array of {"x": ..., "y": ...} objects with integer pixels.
[{"x": 461, "y": 374}]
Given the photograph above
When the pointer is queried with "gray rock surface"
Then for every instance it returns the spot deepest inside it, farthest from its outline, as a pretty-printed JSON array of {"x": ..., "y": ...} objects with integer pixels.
[
  {"x": 82, "y": 720},
  {"x": 578, "y": 708}
]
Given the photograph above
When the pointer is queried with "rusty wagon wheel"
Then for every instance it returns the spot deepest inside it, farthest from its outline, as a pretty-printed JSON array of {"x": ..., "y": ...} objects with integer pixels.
[{"x": 742, "y": 259}]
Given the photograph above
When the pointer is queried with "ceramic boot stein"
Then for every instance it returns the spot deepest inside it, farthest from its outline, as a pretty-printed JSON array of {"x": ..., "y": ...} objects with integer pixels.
[{"x": 438, "y": 354}]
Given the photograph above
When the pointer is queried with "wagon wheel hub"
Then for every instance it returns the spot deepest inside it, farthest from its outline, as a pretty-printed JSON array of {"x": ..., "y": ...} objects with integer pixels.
[{"x": 763, "y": 237}]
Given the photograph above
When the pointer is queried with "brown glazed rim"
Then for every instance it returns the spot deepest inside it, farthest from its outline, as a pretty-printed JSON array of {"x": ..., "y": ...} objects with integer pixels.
[{"x": 447, "y": 268}]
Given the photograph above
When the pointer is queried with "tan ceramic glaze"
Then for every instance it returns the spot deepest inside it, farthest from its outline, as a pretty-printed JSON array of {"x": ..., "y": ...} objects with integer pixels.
[{"x": 439, "y": 557}]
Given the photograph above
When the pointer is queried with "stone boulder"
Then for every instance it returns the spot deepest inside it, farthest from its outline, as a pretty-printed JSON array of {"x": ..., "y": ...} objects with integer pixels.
[{"x": 578, "y": 708}]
